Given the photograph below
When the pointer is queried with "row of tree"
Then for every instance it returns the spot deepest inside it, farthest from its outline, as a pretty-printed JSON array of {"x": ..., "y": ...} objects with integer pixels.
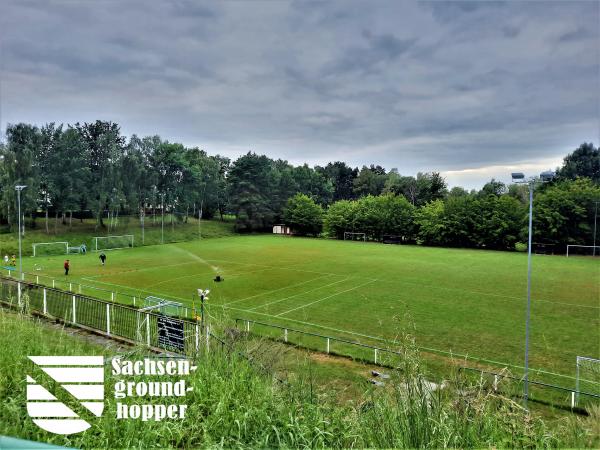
[
  {"x": 93, "y": 169},
  {"x": 493, "y": 218}
]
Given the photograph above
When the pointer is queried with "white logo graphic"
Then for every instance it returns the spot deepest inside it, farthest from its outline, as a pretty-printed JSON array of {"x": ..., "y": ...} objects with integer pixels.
[{"x": 80, "y": 376}]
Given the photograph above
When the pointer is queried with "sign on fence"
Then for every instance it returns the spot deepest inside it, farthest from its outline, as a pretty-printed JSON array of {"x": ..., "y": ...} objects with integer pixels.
[{"x": 170, "y": 333}]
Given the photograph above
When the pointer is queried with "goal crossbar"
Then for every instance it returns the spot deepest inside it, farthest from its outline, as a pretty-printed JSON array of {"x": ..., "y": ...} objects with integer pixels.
[{"x": 41, "y": 244}]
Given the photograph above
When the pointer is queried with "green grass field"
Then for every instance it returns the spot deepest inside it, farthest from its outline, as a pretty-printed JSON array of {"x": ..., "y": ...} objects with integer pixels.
[{"x": 464, "y": 302}]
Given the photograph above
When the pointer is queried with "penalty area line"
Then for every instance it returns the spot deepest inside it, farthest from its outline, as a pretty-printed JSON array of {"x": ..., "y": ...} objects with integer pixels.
[{"x": 324, "y": 298}]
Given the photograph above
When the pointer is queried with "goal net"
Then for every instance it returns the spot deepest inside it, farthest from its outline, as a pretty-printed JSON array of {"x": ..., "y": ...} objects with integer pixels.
[
  {"x": 351, "y": 236},
  {"x": 583, "y": 250},
  {"x": 50, "y": 248},
  {"x": 588, "y": 375},
  {"x": 113, "y": 242},
  {"x": 164, "y": 306}
]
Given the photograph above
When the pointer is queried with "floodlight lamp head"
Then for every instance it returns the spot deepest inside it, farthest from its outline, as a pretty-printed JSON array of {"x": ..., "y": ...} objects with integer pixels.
[
  {"x": 547, "y": 176},
  {"x": 518, "y": 176},
  {"x": 20, "y": 187}
]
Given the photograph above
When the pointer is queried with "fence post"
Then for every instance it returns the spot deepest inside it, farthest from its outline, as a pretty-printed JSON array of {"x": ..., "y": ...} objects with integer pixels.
[
  {"x": 23, "y": 276},
  {"x": 19, "y": 294},
  {"x": 247, "y": 326},
  {"x": 148, "y": 329},
  {"x": 285, "y": 335},
  {"x": 108, "y": 318},
  {"x": 53, "y": 283},
  {"x": 327, "y": 345},
  {"x": 74, "y": 317},
  {"x": 45, "y": 303},
  {"x": 80, "y": 288},
  {"x": 207, "y": 339},
  {"x": 37, "y": 279},
  {"x": 375, "y": 356},
  {"x": 134, "y": 300},
  {"x": 197, "y": 338},
  {"x": 112, "y": 296},
  {"x": 572, "y": 399}
]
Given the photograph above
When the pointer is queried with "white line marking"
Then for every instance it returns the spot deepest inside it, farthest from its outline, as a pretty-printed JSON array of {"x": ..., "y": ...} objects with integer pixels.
[
  {"x": 325, "y": 298},
  {"x": 274, "y": 290},
  {"x": 296, "y": 295}
]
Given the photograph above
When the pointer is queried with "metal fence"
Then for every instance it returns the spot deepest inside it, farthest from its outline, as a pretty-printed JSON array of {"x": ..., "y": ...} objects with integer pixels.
[
  {"x": 573, "y": 395},
  {"x": 327, "y": 344},
  {"x": 104, "y": 317},
  {"x": 385, "y": 357},
  {"x": 115, "y": 296}
]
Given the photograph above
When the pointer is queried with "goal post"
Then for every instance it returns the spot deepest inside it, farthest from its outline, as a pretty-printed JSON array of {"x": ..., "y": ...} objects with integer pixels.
[
  {"x": 50, "y": 248},
  {"x": 583, "y": 250},
  {"x": 588, "y": 375},
  {"x": 113, "y": 242},
  {"x": 352, "y": 236}
]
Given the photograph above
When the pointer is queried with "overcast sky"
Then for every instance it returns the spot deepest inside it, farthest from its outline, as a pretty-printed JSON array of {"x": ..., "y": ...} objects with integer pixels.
[{"x": 471, "y": 89}]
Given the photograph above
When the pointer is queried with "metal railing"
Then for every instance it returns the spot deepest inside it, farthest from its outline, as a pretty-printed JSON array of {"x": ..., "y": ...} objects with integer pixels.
[
  {"x": 84, "y": 289},
  {"x": 352, "y": 349},
  {"x": 104, "y": 317},
  {"x": 497, "y": 377},
  {"x": 364, "y": 352}
]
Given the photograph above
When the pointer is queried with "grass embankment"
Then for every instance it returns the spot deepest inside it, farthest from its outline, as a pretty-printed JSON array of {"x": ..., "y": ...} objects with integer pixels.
[
  {"x": 82, "y": 232},
  {"x": 234, "y": 405}
]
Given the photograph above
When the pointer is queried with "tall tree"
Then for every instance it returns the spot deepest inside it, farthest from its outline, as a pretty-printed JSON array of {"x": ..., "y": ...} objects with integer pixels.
[
  {"x": 104, "y": 148},
  {"x": 583, "y": 162}
]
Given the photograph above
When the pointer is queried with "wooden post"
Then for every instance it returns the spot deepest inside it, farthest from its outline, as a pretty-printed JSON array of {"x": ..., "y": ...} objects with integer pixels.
[
  {"x": 285, "y": 335},
  {"x": 375, "y": 356},
  {"x": 45, "y": 303}
]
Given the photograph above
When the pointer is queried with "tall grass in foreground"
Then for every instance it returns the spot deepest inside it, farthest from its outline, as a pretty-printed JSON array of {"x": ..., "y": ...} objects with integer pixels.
[{"x": 234, "y": 404}]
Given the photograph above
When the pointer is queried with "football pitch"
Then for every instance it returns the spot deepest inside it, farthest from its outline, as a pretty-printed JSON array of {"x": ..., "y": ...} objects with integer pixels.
[{"x": 467, "y": 303}]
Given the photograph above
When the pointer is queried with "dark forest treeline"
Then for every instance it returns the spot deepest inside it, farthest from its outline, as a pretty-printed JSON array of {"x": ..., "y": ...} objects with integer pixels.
[{"x": 93, "y": 169}]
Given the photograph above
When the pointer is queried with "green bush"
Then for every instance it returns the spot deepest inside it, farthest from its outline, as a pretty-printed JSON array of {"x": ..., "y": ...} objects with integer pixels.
[{"x": 520, "y": 247}]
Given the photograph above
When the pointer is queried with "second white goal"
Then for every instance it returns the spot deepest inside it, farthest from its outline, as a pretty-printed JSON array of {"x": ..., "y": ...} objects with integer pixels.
[{"x": 113, "y": 242}]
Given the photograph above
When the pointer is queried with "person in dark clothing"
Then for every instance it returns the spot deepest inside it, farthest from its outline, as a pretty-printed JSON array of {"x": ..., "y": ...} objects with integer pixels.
[
  {"x": 67, "y": 267},
  {"x": 102, "y": 258}
]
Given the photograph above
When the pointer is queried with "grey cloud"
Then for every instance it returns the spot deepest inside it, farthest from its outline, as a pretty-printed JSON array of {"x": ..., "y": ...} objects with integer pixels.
[
  {"x": 575, "y": 35},
  {"x": 414, "y": 85}
]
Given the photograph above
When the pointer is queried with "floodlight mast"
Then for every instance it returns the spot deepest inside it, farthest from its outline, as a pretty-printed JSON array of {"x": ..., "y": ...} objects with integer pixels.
[{"x": 519, "y": 177}]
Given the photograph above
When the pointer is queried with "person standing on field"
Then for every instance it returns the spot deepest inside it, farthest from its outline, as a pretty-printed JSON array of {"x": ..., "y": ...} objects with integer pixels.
[
  {"x": 13, "y": 260},
  {"x": 6, "y": 260},
  {"x": 67, "y": 266},
  {"x": 102, "y": 257}
]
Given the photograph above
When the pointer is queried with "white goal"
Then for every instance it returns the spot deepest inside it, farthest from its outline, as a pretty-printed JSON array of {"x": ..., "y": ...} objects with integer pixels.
[
  {"x": 50, "y": 248},
  {"x": 164, "y": 306},
  {"x": 351, "y": 236},
  {"x": 583, "y": 250},
  {"x": 113, "y": 242},
  {"x": 588, "y": 375}
]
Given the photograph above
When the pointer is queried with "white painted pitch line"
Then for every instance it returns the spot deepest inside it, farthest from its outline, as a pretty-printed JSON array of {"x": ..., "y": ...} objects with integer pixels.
[
  {"x": 325, "y": 298},
  {"x": 296, "y": 295},
  {"x": 225, "y": 305}
]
